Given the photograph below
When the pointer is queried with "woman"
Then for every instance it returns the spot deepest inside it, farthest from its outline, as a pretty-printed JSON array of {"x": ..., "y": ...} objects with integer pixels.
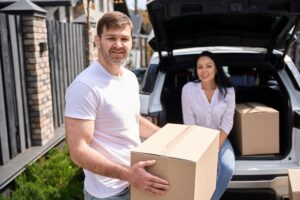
[{"x": 210, "y": 102}]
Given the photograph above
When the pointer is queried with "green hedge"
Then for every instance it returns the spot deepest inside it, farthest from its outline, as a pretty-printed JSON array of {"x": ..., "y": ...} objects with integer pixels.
[{"x": 52, "y": 177}]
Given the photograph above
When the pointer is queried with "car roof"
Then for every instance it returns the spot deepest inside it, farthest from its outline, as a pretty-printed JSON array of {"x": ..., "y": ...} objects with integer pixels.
[{"x": 177, "y": 24}]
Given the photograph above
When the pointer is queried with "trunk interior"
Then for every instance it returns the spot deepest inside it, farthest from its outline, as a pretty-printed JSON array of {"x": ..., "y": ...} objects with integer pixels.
[{"x": 255, "y": 80}]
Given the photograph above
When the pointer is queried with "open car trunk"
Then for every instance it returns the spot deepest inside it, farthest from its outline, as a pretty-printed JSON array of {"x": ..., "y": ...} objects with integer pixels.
[{"x": 255, "y": 80}]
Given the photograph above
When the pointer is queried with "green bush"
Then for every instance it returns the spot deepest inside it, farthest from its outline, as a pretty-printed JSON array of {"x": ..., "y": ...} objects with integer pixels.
[{"x": 52, "y": 177}]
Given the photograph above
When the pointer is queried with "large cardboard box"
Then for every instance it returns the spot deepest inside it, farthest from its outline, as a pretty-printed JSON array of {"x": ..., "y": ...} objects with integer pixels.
[
  {"x": 186, "y": 156},
  {"x": 294, "y": 184},
  {"x": 256, "y": 129}
]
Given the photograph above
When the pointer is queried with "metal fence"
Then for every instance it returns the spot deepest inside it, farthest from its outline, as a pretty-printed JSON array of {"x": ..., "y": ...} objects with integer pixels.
[
  {"x": 67, "y": 59},
  {"x": 14, "y": 117}
]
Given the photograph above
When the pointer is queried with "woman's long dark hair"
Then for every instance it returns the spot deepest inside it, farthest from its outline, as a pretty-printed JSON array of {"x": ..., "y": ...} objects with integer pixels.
[{"x": 222, "y": 81}]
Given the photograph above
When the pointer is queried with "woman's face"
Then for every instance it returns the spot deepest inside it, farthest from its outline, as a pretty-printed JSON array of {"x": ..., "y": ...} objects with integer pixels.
[{"x": 206, "y": 69}]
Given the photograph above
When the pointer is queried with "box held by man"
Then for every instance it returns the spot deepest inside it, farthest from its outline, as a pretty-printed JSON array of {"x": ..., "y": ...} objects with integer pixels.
[{"x": 186, "y": 156}]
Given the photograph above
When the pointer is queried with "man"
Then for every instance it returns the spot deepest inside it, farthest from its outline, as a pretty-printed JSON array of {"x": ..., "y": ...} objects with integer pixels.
[{"x": 102, "y": 118}]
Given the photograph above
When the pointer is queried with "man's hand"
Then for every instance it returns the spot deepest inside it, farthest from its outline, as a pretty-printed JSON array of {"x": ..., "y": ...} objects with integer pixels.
[{"x": 140, "y": 178}]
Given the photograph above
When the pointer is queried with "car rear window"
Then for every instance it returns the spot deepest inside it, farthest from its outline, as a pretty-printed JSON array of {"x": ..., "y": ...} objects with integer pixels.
[{"x": 242, "y": 77}]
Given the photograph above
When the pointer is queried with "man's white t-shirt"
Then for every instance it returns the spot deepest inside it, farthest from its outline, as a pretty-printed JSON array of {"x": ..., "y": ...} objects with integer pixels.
[{"x": 113, "y": 102}]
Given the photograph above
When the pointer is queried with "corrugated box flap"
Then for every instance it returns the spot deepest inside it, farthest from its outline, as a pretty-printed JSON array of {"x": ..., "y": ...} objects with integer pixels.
[
  {"x": 179, "y": 141},
  {"x": 251, "y": 107},
  {"x": 158, "y": 141}
]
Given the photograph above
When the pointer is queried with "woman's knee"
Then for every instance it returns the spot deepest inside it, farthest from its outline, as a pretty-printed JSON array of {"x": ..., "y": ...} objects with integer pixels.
[
  {"x": 227, "y": 169},
  {"x": 227, "y": 160}
]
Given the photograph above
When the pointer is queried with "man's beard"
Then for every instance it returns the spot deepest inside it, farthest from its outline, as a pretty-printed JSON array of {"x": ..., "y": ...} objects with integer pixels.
[{"x": 108, "y": 55}]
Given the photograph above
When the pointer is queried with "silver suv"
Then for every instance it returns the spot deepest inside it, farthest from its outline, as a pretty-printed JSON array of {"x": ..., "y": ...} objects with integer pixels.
[{"x": 251, "y": 39}]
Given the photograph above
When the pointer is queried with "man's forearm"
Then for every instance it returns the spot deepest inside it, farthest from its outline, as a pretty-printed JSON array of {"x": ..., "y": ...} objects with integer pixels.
[{"x": 95, "y": 162}]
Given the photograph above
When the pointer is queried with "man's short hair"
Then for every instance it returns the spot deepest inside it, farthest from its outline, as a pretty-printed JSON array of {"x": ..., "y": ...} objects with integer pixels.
[{"x": 113, "y": 20}]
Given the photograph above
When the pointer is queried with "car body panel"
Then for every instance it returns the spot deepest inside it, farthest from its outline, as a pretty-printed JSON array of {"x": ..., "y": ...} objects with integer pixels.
[{"x": 279, "y": 184}]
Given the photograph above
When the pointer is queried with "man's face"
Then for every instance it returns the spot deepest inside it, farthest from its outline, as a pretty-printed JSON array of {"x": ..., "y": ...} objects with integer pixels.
[{"x": 114, "y": 45}]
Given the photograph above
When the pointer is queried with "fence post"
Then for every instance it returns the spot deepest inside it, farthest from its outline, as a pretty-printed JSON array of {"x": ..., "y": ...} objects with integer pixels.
[{"x": 37, "y": 69}]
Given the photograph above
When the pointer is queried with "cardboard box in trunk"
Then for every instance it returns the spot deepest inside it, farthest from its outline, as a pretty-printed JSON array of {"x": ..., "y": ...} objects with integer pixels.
[
  {"x": 294, "y": 184},
  {"x": 186, "y": 157},
  {"x": 256, "y": 129}
]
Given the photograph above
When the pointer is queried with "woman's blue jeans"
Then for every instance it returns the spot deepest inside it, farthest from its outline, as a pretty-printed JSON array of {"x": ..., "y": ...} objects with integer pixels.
[{"x": 226, "y": 165}]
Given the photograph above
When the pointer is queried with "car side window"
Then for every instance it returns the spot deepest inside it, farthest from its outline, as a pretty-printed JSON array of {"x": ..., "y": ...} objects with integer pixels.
[
  {"x": 294, "y": 75},
  {"x": 148, "y": 83}
]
